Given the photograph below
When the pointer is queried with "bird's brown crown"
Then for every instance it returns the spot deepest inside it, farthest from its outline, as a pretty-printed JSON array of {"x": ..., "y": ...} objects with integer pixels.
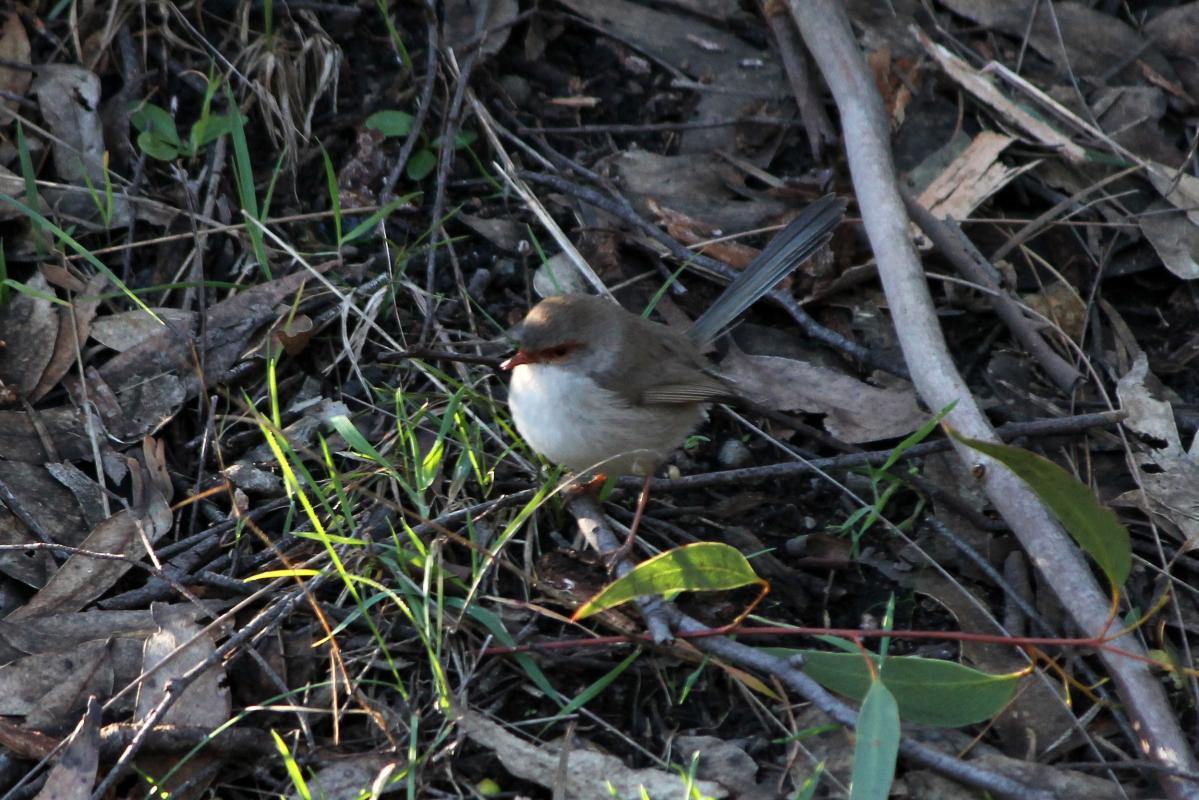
[{"x": 579, "y": 318}]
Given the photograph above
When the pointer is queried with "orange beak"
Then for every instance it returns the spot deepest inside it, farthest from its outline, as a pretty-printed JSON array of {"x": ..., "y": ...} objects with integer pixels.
[{"x": 518, "y": 358}]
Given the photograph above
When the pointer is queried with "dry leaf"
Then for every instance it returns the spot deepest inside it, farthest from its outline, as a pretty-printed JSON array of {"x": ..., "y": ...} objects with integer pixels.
[
  {"x": 587, "y": 774},
  {"x": 14, "y": 49},
  {"x": 740, "y": 74},
  {"x": 351, "y": 778},
  {"x": 854, "y": 411},
  {"x": 1168, "y": 472},
  {"x": 972, "y": 177},
  {"x": 74, "y": 775},
  {"x": 29, "y": 327},
  {"x": 204, "y": 702},
  {"x": 69, "y": 99},
  {"x": 74, "y": 322},
  {"x": 127, "y": 329},
  {"x": 1060, "y": 303},
  {"x": 48, "y": 688},
  {"x": 83, "y": 578},
  {"x": 987, "y": 93}
]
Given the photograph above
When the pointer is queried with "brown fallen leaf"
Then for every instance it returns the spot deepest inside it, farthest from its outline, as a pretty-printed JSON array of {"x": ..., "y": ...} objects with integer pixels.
[
  {"x": 1059, "y": 302},
  {"x": 74, "y": 775},
  {"x": 30, "y": 567},
  {"x": 739, "y": 74},
  {"x": 228, "y": 328},
  {"x": 127, "y": 329},
  {"x": 972, "y": 177},
  {"x": 14, "y": 49},
  {"x": 69, "y": 99},
  {"x": 692, "y": 184},
  {"x": 854, "y": 410},
  {"x": 54, "y": 633},
  {"x": 147, "y": 383},
  {"x": 588, "y": 773},
  {"x": 691, "y": 231},
  {"x": 1168, "y": 471},
  {"x": 141, "y": 389},
  {"x": 204, "y": 702},
  {"x": 352, "y": 777},
  {"x": 74, "y": 324},
  {"x": 1038, "y": 715},
  {"x": 1080, "y": 40},
  {"x": 30, "y": 327},
  {"x": 46, "y": 507},
  {"x": 52, "y": 689},
  {"x": 983, "y": 87},
  {"x": 83, "y": 578}
]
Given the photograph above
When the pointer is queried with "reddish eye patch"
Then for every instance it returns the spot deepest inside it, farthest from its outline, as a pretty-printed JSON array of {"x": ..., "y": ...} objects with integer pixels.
[{"x": 546, "y": 355}]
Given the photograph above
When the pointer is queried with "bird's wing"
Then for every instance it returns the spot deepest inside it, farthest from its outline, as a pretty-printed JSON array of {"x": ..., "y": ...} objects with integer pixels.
[{"x": 708, "y": 391}]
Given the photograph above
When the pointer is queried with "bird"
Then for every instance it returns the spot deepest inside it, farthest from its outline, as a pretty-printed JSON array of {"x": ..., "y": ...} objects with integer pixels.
[{"x": 602, "y": 391}]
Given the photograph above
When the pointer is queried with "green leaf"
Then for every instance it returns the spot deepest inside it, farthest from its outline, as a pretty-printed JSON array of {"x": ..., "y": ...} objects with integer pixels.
[
  {"x": 929, "y": 691},
  {"x": 156, "y": 148},
  {"x": 461, "y": 139},
  {"x": 391, "y": 123},
  {"x": 271, "y": 574},
  {"x": 420, "y": 165},
  {"x": 148, "y": 117},
  {"x": 877, "y": 746},
  {"x": 1096, "y": 529},
  {"x": 705, "y": 566},
  {"x": 210, "y": 128}
]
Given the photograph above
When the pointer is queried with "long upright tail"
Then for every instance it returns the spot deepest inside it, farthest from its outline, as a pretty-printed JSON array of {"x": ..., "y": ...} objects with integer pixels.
[{"x": 806, "y": 234}]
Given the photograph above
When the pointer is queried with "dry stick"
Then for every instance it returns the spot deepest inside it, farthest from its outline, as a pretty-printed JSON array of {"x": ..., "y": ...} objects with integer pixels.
[
  {"x": 867, "y": 142},
  {"x": 422, "y": 107},
  {"x": 595, "y": 530},
  {"x": 658, "y": 612},
  {"x": 966, "y": 258},
  {"x": 445, "y": 158},
  {"x": 1043, "y": 221},
  {"x": 653, "y": 127},
  {"x": 793, "y": 469},
  {"x": 817, "y": 125}
]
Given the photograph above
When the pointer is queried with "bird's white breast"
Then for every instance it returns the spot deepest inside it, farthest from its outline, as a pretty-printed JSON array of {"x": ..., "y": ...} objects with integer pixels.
[{"x": 571, "y": 420}]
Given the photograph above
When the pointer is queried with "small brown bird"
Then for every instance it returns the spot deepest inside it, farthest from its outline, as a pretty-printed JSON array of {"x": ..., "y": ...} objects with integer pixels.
[{"x": 598, "y": 389}]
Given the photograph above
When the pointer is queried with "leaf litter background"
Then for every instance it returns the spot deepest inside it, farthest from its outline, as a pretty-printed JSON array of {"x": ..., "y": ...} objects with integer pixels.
[{"x": 138, "y": 491}]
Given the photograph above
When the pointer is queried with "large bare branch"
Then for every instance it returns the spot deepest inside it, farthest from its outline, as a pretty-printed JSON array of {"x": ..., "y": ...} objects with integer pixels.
[{"x": 826, "y": 29}]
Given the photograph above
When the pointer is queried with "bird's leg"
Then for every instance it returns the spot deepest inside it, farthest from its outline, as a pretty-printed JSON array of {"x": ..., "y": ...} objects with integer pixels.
[{"x": 619, "y": 553}]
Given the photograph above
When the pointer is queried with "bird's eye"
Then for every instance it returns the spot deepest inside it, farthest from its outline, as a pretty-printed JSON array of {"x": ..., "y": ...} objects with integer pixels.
[{"x": 558, "y": 351}]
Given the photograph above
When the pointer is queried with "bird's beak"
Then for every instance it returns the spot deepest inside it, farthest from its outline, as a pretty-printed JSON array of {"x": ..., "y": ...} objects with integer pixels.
[{"x": 518, "y": 358}]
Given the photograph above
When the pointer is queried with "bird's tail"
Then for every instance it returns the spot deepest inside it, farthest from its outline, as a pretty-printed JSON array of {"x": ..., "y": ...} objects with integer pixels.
[{"x": 796, "y": 243}]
